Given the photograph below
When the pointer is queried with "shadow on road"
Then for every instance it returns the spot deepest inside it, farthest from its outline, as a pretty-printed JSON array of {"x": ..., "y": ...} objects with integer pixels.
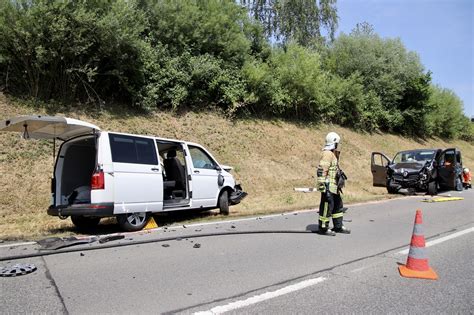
[{"x": 110, "y": 225}]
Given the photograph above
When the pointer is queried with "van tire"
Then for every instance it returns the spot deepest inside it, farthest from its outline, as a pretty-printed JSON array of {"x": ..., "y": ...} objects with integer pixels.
[
  {"x": 224, "y": 203},
  {"x": 84, "y": 223},
  {"x": 132, "y": 222}
]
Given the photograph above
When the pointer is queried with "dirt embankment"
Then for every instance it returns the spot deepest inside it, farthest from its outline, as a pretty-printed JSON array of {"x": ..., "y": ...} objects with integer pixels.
[{"x": 270, "y": 158}]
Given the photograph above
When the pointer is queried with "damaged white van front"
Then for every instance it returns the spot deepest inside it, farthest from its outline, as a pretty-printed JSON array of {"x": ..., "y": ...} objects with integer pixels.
[{"x": 100, "y": 174}]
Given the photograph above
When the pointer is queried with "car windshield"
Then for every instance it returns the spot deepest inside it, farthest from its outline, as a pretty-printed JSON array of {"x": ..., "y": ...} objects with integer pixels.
[{"x": 414, "y": 156}]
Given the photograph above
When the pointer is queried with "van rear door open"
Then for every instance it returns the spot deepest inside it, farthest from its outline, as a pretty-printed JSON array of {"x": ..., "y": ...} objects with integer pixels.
[{"x": 48, "y": 127}]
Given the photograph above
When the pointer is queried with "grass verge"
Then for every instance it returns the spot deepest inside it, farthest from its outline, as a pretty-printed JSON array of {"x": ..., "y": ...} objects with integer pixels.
[{"x": 270, "y": 158}]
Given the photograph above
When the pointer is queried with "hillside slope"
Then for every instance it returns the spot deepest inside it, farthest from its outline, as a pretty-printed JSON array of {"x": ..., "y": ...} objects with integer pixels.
[{"x": 270, "y": 158}]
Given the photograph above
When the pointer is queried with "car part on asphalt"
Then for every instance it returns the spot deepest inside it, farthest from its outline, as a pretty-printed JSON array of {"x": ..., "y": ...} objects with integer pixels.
[
  {"x": 17, "y": 270},
  {"x": 442, "y": 199},
  {"x": 54, "y": 243},
  {"x": 111, "y": 238}
]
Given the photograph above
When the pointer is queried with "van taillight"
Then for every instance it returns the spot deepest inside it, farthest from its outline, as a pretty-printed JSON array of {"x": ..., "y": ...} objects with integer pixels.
[{"x": 97, "y": 180}]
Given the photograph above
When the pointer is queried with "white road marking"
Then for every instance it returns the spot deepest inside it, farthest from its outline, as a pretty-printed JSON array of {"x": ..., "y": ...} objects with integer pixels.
[
  {"x": 262, "y": 297},
  {"x": 441, "y": 239},
  {"x": 17, "y": 244}
]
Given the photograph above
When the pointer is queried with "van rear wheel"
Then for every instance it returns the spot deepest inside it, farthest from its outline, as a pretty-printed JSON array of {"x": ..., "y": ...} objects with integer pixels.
[
  {"x": 83, "y": 223},
  {"x": 224, "y": 203},
  {"x": 131, "y": 222}
]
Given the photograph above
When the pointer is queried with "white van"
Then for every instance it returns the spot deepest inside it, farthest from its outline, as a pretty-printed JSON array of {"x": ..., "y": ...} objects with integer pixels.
[{"x": 100, "y": 174}]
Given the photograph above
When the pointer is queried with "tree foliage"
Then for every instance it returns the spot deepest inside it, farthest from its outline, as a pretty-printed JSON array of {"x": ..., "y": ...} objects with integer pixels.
[
  {"x": 393, "y": 75},
  {"x": 222, "y": 54},
  {"x": 297, "y": 21}
]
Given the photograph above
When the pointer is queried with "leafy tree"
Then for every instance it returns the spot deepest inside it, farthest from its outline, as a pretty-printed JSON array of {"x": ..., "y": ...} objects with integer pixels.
[
  {"x": 387, "y": 70},
  {"x": 85, "y": 50},
  {"x": 446, "y": 118},
  {"x": 299, "y": 21},
  {"x": 290, "y": 84}
]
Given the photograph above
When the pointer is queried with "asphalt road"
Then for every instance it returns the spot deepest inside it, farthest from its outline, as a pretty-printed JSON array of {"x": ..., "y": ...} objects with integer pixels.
[{"x": 264, "y": 273}]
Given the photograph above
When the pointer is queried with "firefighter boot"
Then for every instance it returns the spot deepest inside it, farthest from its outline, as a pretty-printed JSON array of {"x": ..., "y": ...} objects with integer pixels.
[{"x": 343, "y": 230}]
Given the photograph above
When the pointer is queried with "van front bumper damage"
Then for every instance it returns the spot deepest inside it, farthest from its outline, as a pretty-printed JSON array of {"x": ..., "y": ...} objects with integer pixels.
[
  {"x": 90, "y": 209},
  {"x": 237, "y": 195}
]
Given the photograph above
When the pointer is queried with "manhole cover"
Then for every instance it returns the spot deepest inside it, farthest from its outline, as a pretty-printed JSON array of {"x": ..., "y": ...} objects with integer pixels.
[{"x": 17, "y": 270}]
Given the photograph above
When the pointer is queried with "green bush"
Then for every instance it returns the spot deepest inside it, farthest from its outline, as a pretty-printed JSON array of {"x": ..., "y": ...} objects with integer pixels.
[
  {"x": 214, "y": 54},
  {"x": 84, "y": 50}
]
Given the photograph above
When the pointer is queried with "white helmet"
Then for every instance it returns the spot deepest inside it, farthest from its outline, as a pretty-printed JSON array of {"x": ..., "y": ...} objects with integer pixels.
[
  {"x": 332, "y": 139},
  {"x": 466, "y": 170}
]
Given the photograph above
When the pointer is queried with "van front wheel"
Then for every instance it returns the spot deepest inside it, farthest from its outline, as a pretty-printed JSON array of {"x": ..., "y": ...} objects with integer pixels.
[
  {"x": 131, "y": 222},
  {"x": 224, "y": 203},
  {"x": 83, "y": 223}
]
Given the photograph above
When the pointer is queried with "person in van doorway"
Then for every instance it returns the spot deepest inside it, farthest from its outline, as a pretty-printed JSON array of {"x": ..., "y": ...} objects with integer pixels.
[{"x": 331, "y": 202}]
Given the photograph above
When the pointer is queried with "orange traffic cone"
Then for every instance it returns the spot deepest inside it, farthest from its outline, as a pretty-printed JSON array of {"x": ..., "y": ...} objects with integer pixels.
[{"x": 417, "y": 261}]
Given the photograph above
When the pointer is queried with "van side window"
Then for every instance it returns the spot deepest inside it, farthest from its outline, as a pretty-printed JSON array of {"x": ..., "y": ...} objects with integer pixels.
[
  {"x": 201, "y": 159},
  {"x": 128, "y": 149}
]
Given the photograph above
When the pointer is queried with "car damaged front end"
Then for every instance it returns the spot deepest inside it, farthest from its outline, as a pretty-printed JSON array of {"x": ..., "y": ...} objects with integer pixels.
[
  {"x": 237, "y": 195},
  {"x": 410, "y": 175}
]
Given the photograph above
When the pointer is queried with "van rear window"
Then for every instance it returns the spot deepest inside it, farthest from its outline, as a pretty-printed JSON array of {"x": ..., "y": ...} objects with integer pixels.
[{"x": 128, "y": 149}]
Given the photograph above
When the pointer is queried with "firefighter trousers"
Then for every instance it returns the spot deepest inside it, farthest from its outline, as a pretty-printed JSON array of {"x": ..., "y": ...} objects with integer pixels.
[{"x": 330, "y": 207}]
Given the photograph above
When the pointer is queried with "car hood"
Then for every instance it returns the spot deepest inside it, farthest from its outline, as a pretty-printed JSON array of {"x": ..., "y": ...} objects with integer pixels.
[{"x": 408, "y": 167}]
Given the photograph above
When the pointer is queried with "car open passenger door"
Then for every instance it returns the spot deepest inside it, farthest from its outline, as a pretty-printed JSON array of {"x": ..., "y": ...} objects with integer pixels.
[
  {"x": 378, "y": 166},
  {"x": 447, "y": 167}
]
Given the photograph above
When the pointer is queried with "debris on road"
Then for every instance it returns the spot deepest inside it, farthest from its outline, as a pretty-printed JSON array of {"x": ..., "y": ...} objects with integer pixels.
[
  {"x": 165, "y": 245},
  {"x": 197, "y": 245},
  {"x": 111, "y": 238},
  {"x": 58, "y": 243},
  {"x": 17, "y": 270},
  {"x": 442, "y": 199}
]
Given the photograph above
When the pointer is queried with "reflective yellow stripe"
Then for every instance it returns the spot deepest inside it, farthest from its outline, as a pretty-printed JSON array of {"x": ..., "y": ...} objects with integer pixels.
[
  {"x": 323, "y": 219},
  {"x": 337, "y": 215}
]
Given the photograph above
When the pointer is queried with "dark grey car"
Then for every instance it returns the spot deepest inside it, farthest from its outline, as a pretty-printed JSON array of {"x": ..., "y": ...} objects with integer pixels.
[{"x": 427, "y": 170}]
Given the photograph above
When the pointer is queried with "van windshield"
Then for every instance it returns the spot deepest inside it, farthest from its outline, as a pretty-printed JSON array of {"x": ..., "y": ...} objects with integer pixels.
[{"x": 414, "y": 156}]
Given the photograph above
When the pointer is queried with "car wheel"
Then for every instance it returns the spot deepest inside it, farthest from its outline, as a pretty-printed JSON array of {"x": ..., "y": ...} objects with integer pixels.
[
  {"x": 224, "y": 203},
  {"x": 390, "y": 188},
  {"x": 83, "y": 223},
  {"x": 131, "y": 222},
  {"x": 458, "y": 184},
  {"x": 432, "y": 189}
]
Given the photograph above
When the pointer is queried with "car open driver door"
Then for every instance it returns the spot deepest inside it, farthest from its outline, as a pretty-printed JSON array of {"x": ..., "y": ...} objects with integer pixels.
[{"x": 378, "y": 166}]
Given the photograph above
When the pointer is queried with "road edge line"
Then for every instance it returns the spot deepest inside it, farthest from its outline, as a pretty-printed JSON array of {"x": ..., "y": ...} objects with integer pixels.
[
  {"x": 440, "y": 240},
  {"x": 262, "y": 297}
]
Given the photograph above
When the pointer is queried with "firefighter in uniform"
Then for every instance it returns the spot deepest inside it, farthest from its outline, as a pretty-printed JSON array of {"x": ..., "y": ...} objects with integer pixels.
[{"x": 330, "y": 180}]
